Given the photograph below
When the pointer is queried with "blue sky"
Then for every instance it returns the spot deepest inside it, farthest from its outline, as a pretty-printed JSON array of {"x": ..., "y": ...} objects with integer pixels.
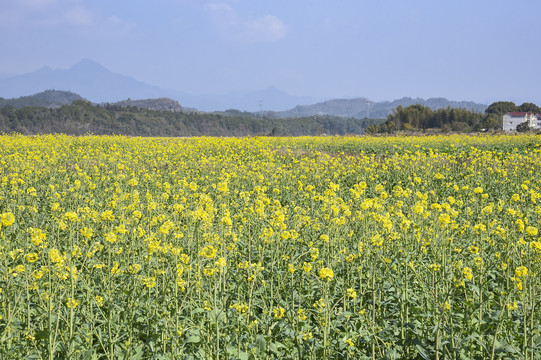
[{"x": 475, "y": 50}]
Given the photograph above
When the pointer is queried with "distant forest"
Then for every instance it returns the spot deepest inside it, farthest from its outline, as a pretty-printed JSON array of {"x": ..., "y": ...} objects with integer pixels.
[
  {"x": 419, "y": 118},
  {"x": 82, "y": 117}
]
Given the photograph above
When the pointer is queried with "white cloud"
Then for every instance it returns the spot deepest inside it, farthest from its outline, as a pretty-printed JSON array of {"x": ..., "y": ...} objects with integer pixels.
[
  {"x": 234, "y": 27},
  {"x": 266, "y": 28},
  {"x": 119, "y": 26},
  {"x": 45, "y": 14},
  {"x": 39, "y": 15},
  {"x": 79, "y": 16},
  {"x": 219, "y": 7}
]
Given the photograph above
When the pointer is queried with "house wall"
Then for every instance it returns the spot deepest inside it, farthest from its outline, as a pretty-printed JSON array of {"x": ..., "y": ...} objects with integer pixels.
[
  {"x": 536, "y": 121},
  {"x": 510, "y": 122}
]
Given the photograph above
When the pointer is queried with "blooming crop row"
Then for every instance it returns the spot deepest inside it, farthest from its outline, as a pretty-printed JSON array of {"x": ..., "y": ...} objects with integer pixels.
[{"x": 299, "y": 248}]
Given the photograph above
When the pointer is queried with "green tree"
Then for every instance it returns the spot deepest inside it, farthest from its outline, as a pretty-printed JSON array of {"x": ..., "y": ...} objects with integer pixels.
[
  {"x": 501, "y": 107},
  {"x": 523, "y": 127},
  {"x": 372, "y": 129},
  {"x": 529, "y": 107},
  {"x": 490, "y": 122}
]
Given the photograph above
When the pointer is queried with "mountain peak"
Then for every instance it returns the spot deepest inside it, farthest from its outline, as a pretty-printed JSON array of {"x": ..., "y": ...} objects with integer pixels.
[
  {"x": 274, "y": 89},
  {"x": 43, "y": 70},
  {"x": 88, "y": 65},
  {"x": 47, "y": 98}
]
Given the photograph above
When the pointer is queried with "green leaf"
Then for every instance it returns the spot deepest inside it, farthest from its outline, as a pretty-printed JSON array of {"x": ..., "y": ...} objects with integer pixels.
[
  {"x": 87, "y": 355},
  {"x": 139, "y": 354},
  {"x": 193, "y": 339},
  {"x": 261, "y": 343},
  {"x": 197, "y": 310},
  {"x": 276, "y": 347},
  {"x": 422, "y": 351},
  {"x": 475, "y": 289}
]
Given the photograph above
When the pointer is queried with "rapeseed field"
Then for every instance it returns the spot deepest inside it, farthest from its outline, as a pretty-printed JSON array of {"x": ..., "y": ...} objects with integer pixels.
[{"x": 270, "y": 248}]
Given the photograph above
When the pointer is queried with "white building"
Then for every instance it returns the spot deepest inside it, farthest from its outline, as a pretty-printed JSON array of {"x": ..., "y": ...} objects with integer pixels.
[{"x": 512, "y": 119}]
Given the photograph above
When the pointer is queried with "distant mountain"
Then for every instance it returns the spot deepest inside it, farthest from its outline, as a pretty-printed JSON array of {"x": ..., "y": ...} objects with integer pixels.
[
  {"x": 99, "y": 85},
  {"x": 337, "y": 107},
  {"x": 87, "y": 78},
  {"x": 361, "y": 108},
  {"x": 47, "y": 98},
  {"x": 162, "y": 104},
  {"x": 271, "y": 99}
]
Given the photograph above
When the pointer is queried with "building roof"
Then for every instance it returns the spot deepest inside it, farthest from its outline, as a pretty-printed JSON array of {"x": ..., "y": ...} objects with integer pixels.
[{"x": 520, "y": 113}]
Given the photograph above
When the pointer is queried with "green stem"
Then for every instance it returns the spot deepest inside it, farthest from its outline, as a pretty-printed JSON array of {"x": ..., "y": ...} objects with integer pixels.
[{"x": 373, "y": 312}]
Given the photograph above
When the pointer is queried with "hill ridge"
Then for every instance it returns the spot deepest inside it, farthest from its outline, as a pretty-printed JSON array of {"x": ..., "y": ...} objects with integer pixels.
[
  {"x": 362, "y": 107},
  {"x": 48, "y": 98}
]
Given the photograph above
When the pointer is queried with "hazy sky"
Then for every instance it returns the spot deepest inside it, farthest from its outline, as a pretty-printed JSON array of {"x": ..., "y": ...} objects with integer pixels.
[{"x": 480, "y": 50}]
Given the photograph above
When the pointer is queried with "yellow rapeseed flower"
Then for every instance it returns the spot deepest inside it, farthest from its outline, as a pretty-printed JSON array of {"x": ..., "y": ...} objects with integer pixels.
[
  {"x": 326, "y": 273},
  {"x": 208, "y": 251},
  {"x": 7, "y": 219},
  {"x": 72, "y": 303},
  {"x": 32, "y": 257},
  {"x": 531, "y": 230},
  {"x": 110, "y": 237},
  {"x": 468, "y": 273},
  {"x": 521, "y": 271},
  {"x": 279, "y": 312},
  {"x": 221, "y": 263}
]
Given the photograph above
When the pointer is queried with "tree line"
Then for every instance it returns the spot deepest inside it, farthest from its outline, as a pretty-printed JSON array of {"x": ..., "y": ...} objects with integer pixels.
[
  {"x": 421, "y": 118},
  {"x": 82, "y": 117}
]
